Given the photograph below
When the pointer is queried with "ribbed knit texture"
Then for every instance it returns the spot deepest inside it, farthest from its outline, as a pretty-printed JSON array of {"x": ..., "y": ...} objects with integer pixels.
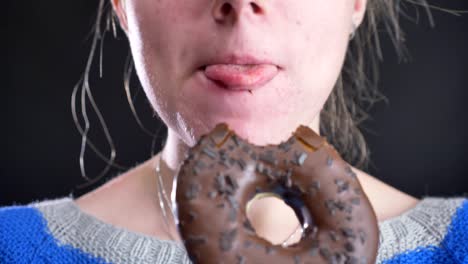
[{"x": 57, "y": 231}]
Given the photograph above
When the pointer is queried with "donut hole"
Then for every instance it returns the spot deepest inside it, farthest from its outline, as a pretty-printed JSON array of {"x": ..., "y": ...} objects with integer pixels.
[{"x": 273, "y": 219}]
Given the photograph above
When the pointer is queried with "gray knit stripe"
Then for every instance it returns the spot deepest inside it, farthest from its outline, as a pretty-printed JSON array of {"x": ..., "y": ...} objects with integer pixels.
[
  {"x": 71, "y": 226},
  {"x": 424, "y": 225}
]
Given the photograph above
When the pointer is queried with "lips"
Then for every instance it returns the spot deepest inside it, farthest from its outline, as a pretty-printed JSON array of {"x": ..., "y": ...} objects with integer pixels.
[{"x": 241, "y": 76}]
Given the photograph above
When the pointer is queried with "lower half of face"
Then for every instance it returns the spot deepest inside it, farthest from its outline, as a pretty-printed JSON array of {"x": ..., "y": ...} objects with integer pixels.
[{"x": 309, "y": 49}]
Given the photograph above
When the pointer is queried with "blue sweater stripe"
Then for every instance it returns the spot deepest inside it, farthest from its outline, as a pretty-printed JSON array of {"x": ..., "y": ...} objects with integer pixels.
[{"x": 24, "y": 238}]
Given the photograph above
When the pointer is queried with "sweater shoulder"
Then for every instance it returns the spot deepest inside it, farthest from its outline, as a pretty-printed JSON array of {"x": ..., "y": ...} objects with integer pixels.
[
  {"x": 435, "y": 231},
  {"x": 26, "y": 238}
]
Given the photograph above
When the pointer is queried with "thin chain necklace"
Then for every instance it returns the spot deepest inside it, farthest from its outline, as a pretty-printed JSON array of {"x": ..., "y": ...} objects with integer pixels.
[{"x": 162, "y": 195}]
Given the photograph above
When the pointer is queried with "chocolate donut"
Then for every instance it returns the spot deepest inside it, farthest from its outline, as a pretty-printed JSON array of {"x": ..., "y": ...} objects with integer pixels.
[{"x": 223, "y": 172}]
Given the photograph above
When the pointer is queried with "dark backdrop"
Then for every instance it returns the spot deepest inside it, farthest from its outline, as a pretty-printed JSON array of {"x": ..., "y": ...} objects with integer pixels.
[{"x": 418, "y": 141}]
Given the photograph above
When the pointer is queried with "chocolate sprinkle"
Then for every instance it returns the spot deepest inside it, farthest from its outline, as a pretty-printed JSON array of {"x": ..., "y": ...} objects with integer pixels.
[
  {"x": 192, "y": 191},
  {"x": 325, "y": 253},
  {"x": 362, "y": 236},
  {"x": 330, "y": 205},
  {"x": 350, "y": 172},
  {"x": 315, "y": 244},
  {"x": 241, "y": 163},
  {"x": 222, "y": 162},
  {"x": 314, "y": 188},
  {"x": 351, "y": 260},
  {"x": 232, "y": 215},
  {"x": 349, "y": 247},
  {"x": 231, "y": 183},
  {"x": 232, "y": 161},
  {"x": 192, "y": 216},
  {"x": 363, "y": 260},
  {"x": 313, "y": 252},
  {"x": 342, "y": 185},
  {"x": 248, "y": 226},
  {"x": 225, "y": 184},
  {"x": 301, "y": 158},
  {"x": 253, "y": 156},
  {"x": 338, "y": 257},
  {"x": 220, "y": 183},
  {"x": 285, "y": 146},
  {"x": 334, "y": 236},
  {"x": 189, "y": 155},
  {"x": 268, "y": 157},
  {"x": 240, "y": 259},
  {"x": 247, "y": 243},
  {"x": 355, "y": 200},
  {"x": 348, "y": 232},
  {"x": 269, "y": 250},
  {"x": 200, "y": 164},
  {"x": 357, "y": 191},
  {"x": 226, "y": 239},
  {"x": 340, "y": 205},
  {"x": 212, "y": 194},
  {"x": 210, "y": 153},
  {"x": 222, "y": 154},
  {"x": 315, "y": 184},
  {"x": 259, "y": 167},
  {"x": 348, "y": 208},
  {"x": 246, "y": 149},
  {"x": 235, "y": 140},
  {"x": 233, "y": 202}
]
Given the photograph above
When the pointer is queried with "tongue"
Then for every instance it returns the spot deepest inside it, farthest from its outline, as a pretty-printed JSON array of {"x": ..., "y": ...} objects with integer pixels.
[{"x": 240, "y": 75}]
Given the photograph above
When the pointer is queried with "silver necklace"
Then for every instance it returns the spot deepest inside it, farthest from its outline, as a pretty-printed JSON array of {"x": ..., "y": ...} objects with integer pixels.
[{"x": 162, "y": 196}]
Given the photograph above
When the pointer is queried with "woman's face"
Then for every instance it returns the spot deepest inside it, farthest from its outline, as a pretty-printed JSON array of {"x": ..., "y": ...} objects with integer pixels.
[{"x": 302, "y": 41}]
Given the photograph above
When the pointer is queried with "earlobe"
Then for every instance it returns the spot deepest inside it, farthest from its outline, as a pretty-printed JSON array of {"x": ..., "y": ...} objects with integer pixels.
[
  {"x": 119, "y": 9},
  {"x": 359, "y": 11}
]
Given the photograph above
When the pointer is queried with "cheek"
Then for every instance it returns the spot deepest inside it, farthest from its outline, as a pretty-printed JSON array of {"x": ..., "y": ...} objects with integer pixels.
[
  {"x": 320, "y": 43},
  {"x": 152, "y": 42}
]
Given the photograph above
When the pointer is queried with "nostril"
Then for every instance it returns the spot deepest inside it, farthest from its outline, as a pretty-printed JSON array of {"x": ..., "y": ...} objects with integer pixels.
[
  {"x": 225, "y": 9},
  {"x": 256, "y": 8}
]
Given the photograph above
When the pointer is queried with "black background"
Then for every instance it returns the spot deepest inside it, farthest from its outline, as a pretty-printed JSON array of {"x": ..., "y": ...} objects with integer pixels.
[{"x": 418, "y": 141}]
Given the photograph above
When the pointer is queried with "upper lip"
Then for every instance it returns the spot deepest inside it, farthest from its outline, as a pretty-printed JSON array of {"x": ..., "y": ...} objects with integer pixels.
[{"x": 240, "y": 59}]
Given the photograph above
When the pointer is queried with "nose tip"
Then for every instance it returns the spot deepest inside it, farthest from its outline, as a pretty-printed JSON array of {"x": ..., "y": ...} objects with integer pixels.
[{"x": 230, "y": 10}]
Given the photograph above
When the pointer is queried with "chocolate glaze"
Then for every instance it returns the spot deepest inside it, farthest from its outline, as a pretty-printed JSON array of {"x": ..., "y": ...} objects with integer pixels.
[{"x": 222, "y": 172}]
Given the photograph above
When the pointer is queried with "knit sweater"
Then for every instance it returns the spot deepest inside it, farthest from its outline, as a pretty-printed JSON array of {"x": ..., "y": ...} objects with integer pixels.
[{"x": 57, "y": 231}]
